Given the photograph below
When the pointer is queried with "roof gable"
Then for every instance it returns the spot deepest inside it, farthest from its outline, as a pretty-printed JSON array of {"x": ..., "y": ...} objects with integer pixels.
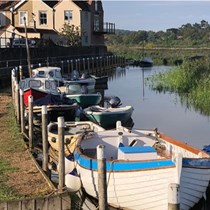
[{"x": 50, "y": 3}]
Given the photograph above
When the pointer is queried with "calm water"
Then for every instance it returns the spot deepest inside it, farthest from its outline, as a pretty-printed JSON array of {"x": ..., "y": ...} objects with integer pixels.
[{"x": 158, "y": 110}]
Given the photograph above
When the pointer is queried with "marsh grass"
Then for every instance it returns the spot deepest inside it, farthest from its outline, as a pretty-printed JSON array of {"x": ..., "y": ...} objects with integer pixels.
[
  {"x": 191, "y": 81},
  {"x": 10, "y": 143}
]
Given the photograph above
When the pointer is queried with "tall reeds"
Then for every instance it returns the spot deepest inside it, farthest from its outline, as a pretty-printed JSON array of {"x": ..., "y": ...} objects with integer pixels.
[{"x": 191, "y": 81}]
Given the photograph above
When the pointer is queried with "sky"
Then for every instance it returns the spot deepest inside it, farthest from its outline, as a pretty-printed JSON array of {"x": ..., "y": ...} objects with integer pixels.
[{"x": 154, "y": 15}]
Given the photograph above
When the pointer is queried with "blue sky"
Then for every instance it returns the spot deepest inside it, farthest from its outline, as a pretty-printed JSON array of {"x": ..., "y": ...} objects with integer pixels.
[{"x": 154, "y": 15}]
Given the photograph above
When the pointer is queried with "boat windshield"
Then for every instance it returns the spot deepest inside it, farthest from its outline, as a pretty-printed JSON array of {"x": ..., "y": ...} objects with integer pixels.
[
  {"x": 34, "y": 83},
  {"x": 51, "y": 85}
]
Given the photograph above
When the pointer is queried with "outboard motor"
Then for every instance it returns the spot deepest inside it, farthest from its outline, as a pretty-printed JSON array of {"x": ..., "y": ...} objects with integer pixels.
[
  {"x": 114, "y": 102},
  {"x": 84, "y": 76}
]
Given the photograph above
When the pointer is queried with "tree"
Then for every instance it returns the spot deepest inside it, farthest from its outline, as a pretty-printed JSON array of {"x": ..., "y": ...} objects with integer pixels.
[{"x": 71, "y": 34}]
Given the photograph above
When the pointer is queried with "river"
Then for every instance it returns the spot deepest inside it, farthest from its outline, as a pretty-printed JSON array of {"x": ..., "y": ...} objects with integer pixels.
[{"x": 158, "y": 110}]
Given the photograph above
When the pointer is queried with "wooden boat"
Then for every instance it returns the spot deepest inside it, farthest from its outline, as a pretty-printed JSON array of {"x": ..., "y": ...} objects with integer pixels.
[
  {"x": 108, "y": 116},
  {"x": 72, "y": 132},
  {"x": 38, "y": 88},
  {"x": 140, "y": 166}
]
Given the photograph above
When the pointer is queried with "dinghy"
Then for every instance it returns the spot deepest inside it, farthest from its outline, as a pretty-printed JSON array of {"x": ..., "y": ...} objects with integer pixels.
[{"x": 140, "y": 167}]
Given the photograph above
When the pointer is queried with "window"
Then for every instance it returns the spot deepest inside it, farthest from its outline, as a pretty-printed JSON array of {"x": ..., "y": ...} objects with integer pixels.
[
  {"x": 22, "y": 14},
  {"x": 67, "y": 15},
  {"x": 96, "y": 22},
  {"x": 43, "y": 18}
]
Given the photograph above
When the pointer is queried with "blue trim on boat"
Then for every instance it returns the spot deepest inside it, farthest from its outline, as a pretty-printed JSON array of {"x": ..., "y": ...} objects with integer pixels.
[
  {"x": 197, "y": 163},
  {"x": 123, "y": 166},
  {"x": 137, "y": 149}
]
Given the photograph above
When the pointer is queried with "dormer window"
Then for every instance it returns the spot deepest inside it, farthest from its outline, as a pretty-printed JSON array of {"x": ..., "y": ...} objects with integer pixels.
[
  {"x": 67, "y": 15},
  {"x": 23, "y": 14},
  {"x": 43, "y": 18}
]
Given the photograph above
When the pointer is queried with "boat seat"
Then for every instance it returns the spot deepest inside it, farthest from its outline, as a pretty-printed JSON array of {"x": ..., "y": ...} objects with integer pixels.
[
  {"x": 137, "y": 153},
  {"x": 90, "y": 152}
]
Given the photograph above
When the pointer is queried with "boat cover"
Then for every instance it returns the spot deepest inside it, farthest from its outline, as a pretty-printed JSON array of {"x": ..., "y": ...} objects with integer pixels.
[{"x": 51, "y": 99}]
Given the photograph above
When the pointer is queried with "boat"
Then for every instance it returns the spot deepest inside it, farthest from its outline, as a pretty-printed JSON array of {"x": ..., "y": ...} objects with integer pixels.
[
  {"x": 86, "y": 100},
  {"x": 100, "y": 80},
  {"x": 140, "y": 166},
  {"x": 108, "y": 116},
  {"x": 56, "y": 106},
  {"x": 146, "y": 62},
  {"x": 38, "y": 88},
  {"x": 75, "y": 82},
  {"x": 82, "y": 96},
  {"x": 72, "y": 131},
  {"x": 53, "y": 72}
]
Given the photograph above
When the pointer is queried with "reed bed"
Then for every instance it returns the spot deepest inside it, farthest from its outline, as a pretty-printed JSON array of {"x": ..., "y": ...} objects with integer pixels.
[{"x": 190, "y": 81}]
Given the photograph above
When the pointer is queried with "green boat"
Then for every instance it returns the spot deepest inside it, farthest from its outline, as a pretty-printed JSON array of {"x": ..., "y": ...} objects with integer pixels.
[
  {"x": 107, "y": 117},
  {"x": 86, "y": 99}
]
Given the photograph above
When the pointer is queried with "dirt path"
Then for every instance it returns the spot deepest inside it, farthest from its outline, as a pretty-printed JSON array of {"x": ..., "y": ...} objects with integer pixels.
[{"x": 21, "y": 175}]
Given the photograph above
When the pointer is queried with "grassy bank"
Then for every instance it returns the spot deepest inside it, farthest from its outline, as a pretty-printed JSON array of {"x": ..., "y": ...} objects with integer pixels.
[
  {"x": 191, "y": 81},
  {"x": 169, "y": 56},
  {"x": 19, "y": 176}
]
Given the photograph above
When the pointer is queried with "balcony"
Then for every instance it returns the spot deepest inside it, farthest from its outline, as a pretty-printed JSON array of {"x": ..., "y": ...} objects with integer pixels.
[{"x": 108, "y": 28}]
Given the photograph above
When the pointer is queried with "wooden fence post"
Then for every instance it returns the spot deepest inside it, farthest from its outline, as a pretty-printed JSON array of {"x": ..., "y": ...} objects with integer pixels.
[
  {"x": 61, "y": 158},
  {"x": 173, "y": 197},
  {"x": 30, "y": 121},
  {"x": 22, "y": 119},
  {"x": 45, "y": 140},
  {"x": 18, "y": 103},
  {"x": 102, "y": 185}
]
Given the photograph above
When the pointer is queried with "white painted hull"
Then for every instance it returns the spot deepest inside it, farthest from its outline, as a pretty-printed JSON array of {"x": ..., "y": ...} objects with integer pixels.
[
  {"x": 145, "y": 190},
  {"x": 140, "y": 180},
  {"x": 132, "y": 190}
]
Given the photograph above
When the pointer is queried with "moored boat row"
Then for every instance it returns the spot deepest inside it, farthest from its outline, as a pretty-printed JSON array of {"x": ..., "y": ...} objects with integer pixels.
[{"x": 140, "y": 164}]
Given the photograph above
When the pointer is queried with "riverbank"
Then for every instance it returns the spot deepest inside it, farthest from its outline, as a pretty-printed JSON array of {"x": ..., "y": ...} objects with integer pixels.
[{"x": 20, "y": 178}]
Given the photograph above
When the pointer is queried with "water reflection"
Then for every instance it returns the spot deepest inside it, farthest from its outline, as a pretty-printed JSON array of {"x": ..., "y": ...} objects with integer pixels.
[{"x": 155, "y": 109}]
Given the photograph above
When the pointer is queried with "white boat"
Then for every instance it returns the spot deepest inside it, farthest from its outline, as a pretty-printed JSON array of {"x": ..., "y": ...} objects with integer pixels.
[
  {"x": 140, "y": 166},
  {"x": 38, "y": 87},
  {"x": 75, "y": 83},
  {"x": 53, "y": 72}
]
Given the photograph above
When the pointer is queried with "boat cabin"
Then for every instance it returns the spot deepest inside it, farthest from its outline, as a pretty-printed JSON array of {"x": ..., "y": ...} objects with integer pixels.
[{"x": 48, "y": 72}]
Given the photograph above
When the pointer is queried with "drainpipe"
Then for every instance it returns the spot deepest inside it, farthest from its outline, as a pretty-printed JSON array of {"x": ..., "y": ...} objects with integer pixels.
[
  {"x": 12, "y": 15},
  {"x": 54, "y": 19}
]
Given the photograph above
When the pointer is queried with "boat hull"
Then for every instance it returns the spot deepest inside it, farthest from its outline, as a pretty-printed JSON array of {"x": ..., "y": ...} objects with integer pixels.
[
  {"x": 108, "y": 119},
  {"x": 74, "y": 86},
  {"x": 86, "y": 100},
  {"x": 140, "y": 167},
  {"x": 37, "y": 94}
]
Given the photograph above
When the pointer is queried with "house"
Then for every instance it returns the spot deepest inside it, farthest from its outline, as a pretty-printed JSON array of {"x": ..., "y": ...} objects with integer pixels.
[{"x": 45, "y": 19}]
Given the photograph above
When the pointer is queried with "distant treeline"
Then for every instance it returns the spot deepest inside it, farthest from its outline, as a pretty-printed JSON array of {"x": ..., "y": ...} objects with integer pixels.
[{"x": 135, "y": 44}]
